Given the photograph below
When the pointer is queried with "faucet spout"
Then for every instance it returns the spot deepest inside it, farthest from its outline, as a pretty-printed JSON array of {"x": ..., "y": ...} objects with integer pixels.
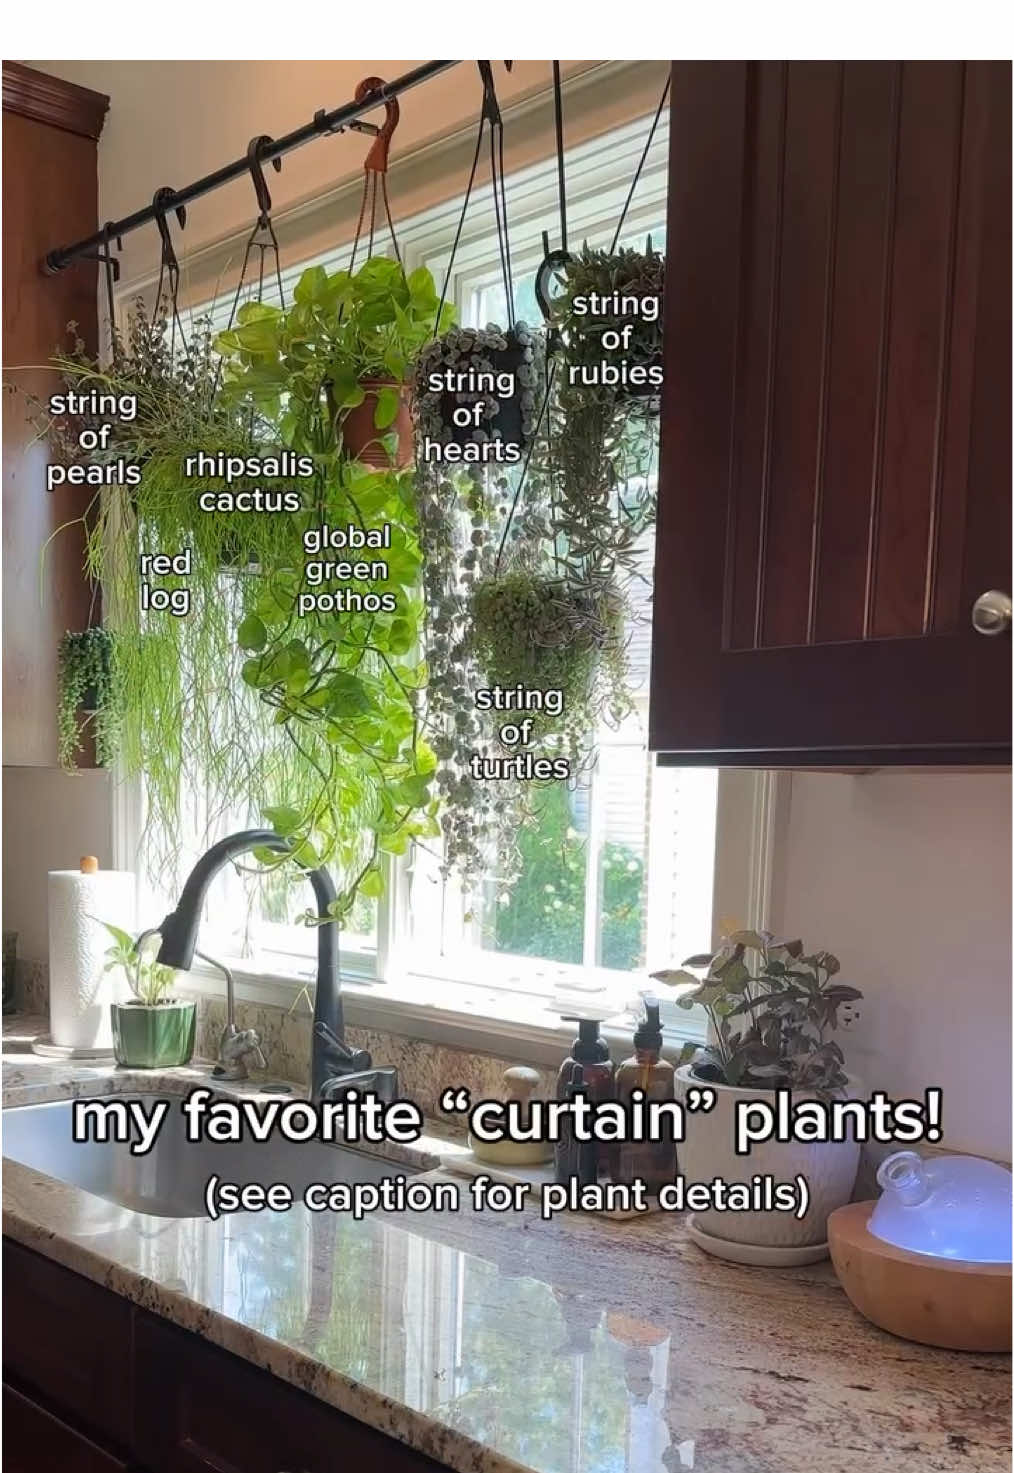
[{"x": 179, "y": 933}]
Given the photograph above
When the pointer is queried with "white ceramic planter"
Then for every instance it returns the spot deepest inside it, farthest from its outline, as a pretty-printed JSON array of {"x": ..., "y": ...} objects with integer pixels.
[{"x": 708, "y": 1151}]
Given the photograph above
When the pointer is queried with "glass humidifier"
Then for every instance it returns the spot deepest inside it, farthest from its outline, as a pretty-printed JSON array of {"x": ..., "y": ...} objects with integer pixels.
[{"x": 954, "y": 1207}]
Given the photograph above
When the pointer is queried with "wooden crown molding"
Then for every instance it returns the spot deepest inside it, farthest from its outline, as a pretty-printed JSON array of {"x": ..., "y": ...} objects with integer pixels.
[{"x": 51, "y": 100}]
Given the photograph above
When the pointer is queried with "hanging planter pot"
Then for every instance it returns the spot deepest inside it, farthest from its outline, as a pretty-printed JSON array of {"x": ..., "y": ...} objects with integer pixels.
[
  {"x": 378, "y": 431},
  {"x": 480, "y": 384},
  {"x": 545, "y": 635},
  {"x": 608, "y": 292}
]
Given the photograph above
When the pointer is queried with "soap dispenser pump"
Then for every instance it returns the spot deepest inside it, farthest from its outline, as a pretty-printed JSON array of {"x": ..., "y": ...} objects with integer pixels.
[
  {"x": 653, "y": 1162},
  {"x": 591, "y": 1052}
]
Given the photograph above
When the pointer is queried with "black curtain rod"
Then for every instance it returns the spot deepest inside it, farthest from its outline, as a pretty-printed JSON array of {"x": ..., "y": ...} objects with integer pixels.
[{"x": 321, "y": 123}]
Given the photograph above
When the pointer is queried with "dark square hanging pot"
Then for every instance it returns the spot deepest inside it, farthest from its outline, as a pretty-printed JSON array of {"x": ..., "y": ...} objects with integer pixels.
[{"x": 474, "y": 385}]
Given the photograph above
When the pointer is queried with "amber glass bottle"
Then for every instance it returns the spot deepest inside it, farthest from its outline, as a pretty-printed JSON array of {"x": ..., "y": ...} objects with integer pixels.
[{"x": 654, "y": 1162}]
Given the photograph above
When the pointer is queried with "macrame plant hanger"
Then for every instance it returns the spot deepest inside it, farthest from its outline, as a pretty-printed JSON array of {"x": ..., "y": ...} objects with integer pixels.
[{"x": 169, "y": 266}]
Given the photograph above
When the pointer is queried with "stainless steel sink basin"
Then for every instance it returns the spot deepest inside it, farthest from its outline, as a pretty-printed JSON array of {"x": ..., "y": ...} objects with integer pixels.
[{"x": 169, "y": 1181}]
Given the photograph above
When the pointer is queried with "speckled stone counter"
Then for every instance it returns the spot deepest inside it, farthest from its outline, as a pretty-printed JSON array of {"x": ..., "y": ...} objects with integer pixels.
[{"x": 498, "y": 1343}]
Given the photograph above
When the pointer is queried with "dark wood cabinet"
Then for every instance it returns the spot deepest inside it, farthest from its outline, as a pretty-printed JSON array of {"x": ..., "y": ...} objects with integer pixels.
[
  {"x": 50, "y": 196},
  {"x": 34, "y": 1438},
  {"x": 202, "y": 1410},
  {"x": 92, "y": 1384},
  {"x": 69, "y": 1339},
  {"x": 835, "y": 462}
]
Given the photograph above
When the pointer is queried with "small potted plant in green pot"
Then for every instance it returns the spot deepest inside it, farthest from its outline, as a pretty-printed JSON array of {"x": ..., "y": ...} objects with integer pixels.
[
  {"x": 152, "y": 1030},
  {"x": 771, "y": 1010}
]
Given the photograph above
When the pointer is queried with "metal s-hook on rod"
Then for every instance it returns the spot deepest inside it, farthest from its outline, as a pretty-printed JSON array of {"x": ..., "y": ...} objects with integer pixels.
[{"x": 321, "y": 124}]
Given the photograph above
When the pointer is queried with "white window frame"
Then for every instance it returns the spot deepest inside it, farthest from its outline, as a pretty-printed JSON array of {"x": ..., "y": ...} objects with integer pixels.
[{"x": 377, "y": 992}]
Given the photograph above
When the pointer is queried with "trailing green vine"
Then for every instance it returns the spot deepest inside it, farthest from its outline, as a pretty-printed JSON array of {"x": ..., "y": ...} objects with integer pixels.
[{"x": 88, "y": 682}]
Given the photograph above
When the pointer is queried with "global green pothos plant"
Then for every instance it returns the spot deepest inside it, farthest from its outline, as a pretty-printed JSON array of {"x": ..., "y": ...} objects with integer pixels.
[
  {"x": 336, "y": 663},
  {"x": 771, "y": 1008}
]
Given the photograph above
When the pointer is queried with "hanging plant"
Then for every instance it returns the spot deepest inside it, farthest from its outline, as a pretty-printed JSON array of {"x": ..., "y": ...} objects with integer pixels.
[
  {"x": 360, "y": 333},
  {"x": 537, "y": 631},
  {"x": 489, "y": 377},
  {"x": 331, "y": 655},
  {"x": 89, "y": 686},
  {"x": 606, "y": 292}
]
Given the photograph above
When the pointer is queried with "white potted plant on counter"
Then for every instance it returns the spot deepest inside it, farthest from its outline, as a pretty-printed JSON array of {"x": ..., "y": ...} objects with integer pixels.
[{"x": 771, "y": 1009}]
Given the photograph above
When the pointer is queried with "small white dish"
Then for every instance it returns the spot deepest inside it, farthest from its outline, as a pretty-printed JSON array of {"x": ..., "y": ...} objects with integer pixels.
[
  {"x": 758, "y": 1254},
  {"x": 49, "y": 1050}
]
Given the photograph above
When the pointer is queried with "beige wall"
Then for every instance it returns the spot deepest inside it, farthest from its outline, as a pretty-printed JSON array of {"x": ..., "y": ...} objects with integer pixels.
[
  {"x": 50, "y": 819},
  {"x": 907, "y": 878}
]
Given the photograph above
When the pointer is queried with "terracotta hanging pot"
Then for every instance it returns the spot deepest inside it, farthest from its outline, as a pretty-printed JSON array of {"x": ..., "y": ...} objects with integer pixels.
[{"x": 361, "y": 438}]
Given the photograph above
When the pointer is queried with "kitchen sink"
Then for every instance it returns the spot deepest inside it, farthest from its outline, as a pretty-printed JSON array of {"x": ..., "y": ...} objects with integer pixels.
[{"x": 170, "y": 1180}]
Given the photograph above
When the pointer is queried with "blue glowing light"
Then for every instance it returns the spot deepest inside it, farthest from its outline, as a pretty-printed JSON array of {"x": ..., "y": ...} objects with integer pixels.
[{"x": 946, "y": 1207}]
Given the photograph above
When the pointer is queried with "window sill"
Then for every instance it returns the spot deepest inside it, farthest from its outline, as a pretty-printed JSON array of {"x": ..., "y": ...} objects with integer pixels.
[{"x": 480, "y": 1018}]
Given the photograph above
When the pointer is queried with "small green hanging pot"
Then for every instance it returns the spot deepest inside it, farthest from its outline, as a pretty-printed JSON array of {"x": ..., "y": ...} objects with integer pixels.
[{"x": 159, "y": 1036}]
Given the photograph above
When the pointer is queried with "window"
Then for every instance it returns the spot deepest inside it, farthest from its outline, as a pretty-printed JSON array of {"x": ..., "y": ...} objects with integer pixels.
[{"x": 618, "y": 875}]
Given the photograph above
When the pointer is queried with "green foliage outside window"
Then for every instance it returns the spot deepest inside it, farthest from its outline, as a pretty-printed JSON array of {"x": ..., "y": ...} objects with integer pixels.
[{"x": 543, "y": 915}]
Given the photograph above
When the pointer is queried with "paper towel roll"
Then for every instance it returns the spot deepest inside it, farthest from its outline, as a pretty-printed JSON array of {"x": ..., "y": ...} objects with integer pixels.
[{"x": 80, "y": 989}]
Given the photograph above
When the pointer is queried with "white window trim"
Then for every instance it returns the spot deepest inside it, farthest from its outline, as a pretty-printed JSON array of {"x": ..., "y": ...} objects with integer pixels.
[
  {"x": 377, "y": 994},
  {"x": 481, "y": 1017}
]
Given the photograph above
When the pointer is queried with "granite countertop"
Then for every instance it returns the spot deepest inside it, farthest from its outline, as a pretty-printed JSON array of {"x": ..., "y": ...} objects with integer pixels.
[{"x": 497, "y": 1343}]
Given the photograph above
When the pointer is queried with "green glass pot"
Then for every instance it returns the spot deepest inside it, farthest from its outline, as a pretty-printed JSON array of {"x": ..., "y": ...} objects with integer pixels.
[{"x": 159, "y": 1037}]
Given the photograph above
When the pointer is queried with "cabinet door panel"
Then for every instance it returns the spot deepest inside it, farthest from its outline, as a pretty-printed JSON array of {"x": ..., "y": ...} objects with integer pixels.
[
  {"x": 835, "y": 471},
  {"x": 50, "y": 197},
  {"x": 69, "y": 1338},
  {"x": 201, "y": 1410},
  {"x": 35, "y": 1441}
]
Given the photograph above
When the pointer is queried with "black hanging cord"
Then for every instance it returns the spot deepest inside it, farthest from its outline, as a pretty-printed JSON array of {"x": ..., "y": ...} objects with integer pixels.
[
  {"x": 111, "y": 271},
  {"x": 169, "y": 266},
  {"x": 490, "y": 113},
  {"x": 461, "y": 221},
  {"x": 640, "y": 165},
  {"x": 551, "y": 374},
  {"x": 554, "y": 262},
  {"x": 560, "y": 172}
]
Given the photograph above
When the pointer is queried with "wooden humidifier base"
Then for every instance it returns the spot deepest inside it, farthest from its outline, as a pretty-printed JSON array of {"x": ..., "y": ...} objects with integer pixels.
[{"x": 936, "y": 1301}]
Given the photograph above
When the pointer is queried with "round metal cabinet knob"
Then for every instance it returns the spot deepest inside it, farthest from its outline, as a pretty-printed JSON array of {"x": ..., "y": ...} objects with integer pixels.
[{"x": 991, "y": 612}]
